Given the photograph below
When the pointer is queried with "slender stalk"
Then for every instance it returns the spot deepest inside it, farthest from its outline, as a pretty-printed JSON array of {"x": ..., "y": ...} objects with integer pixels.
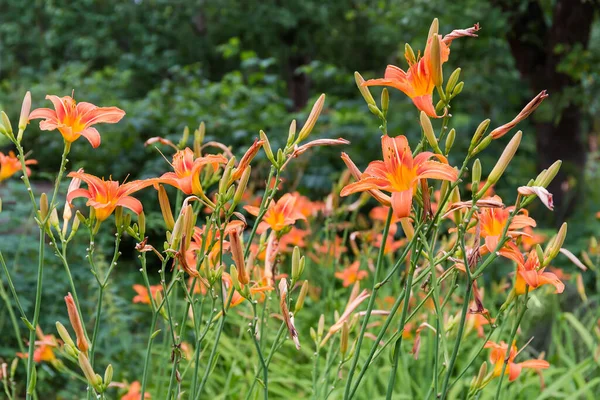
[
  {"x": 363, "y": 328},
  {"x": 12, "y": 316},
  {"x": 260, "y": 354},
  {"x": 36, "y": 315},
  {"x": 510, "y": 340}
]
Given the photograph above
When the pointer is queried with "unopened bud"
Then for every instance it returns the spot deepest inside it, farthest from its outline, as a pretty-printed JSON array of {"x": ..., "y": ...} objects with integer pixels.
[
  {"x": 24, "y": 117},
  {"x": 142, "y": 224},
  {"x": 385, "y": 100},
  {"x": 77, "y": 324},
  {"x": 312, "y": 118},
  {"x": 225, "y": 179},
  {"x": 165, "y": 207},
  {"x": 539, "y": 253},
  {"x": 409, "y": 54},
  {"x": 242, "y": 185},
  {"x": 550, "y": 174},
  {"x": 301, "y": 297},
  {"x": 292, "y": 130},
  {"x": 450, "y": 140},
  {"x": 237, "y": 253},
  {"x": 452, "y": 81},
  {"x": 267, "y": 147},
  {"x": 436, "y": 61},
  {"x": 553, "y": 247},
  {"x": 344, "y": 339},
  {"x": 375, "y": 110},
  {"x": 296, "y": 268},
  {"x": 504, "y": 159},
  {"x": 476, "y": 174},
  {"x": 364, "y": 91},
  {"x": 479, "y": 132},
  {"x": 6, "y": 124},
  {"x": 108, "y": 375},
  {"x": 481, "y": 375},
  {"x": 433, "y": 29},
  {"x": 43, "y": 206},
  {"x": 184, "y": 138},
  {"x": 321, "y": 327},
  {"x": 458, "y": 89},
  {"x": 189, "y": 222},
  {"x": 428, "y": 132},
  {"x": 88, "y": 371},
  {"x": 64, "y": 334},
  {"x": 53, "y": 220},
  {"x": 235, "y": 278},
  {"x": 198, "y": 139}
]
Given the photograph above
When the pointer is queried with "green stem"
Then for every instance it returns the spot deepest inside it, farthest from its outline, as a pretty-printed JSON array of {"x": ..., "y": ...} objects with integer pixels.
[
  {"x": 36, "y": 315},
  {"x": 376, "y": 285},
  {"x": 12, "y": 316}
]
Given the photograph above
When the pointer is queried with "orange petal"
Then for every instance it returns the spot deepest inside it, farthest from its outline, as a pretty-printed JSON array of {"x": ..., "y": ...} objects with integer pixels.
[{"x": 402, "y": 202}]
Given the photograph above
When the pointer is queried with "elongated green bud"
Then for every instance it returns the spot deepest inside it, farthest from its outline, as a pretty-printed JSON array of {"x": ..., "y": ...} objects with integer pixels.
[
  {"x": 43, "y": 206},
  {"x": 436, "y": 61},
  {"x": 482, "y": 145},
  {"x": 292, "y": 133},
  {"x": 428, "y": 132},
  {"x": 375, "y": 110},
  {"x": 344, "y": 339},
  {"x": 479, "y": 132},
  {"x": 64, "y": 334},
  {"x": 301, "y": 297},
  {"x": 458, "y": 89},
  {"x": 165, "y": 208},
  {"x": 312, "y": 118},
  {"x": 550, "y": 174},
  {"x": 476, "y": 173},
  {"x": 108, "y": 375},
  {"x": 7, "y": 125},
  {"x": 24, "y": 117},
  {"x": 385, "y": 101},
  {"x": 450, "y": 140},
  {"x": 88, "y": 371},
  {"x": 433, "y": 29},
  {"x": 553, "y": 247},
  {"x": 267, "y": 147},
  {"x": 505, "y": 158},
  {"x": 452, "y": 81},
  {"x": 409, "y": 54},
  {"x": 364, "y": 91},
  {"x": 242, "y": 185}
]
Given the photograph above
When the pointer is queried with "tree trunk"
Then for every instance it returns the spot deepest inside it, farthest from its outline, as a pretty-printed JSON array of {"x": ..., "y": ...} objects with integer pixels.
[{"x": 533, "y": 44}]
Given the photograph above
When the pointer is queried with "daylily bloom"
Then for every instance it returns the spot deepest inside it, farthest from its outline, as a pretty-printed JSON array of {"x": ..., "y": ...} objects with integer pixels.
[
  {"x": 494, "y": 220},
  {"x": 76, "y": 119},
  {"x": 530, "y": 272},
  {"x": 44, "y": 348},
  {"x": 187, "y": 170},
  {"x": 417, "y": 81},
  {"x": 351, "y": 274},
  {"x": 380, "y": 213},
  {"x": 305, "y": 206},
  {"x": 295, "y": 237},
  {"x": 142, "y": 293},
  {"x": 279, "y": 215},
  {"x": 104, "y": 196},
  {"x": 498, "y": 354},
  {"x": 530, "y": 238},
  {"x": 10, "y": 164},
  {"x": 134, "y": 392},
  {"x": 258, "y": 288},
  {"x": 399, "y": 173}
]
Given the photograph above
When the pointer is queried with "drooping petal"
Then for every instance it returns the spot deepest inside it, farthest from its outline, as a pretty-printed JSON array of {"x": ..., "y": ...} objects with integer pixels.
[
  {"x": 549, "y": 278},
  {"x": 252, "y": 210},
  {"x": 110, "y": 115},
  {"x": 402, "y": 202},
  {"x": 131, "y": 203},
  {"x": 426, "y": 155},
  {"x": 437, "y": 170},
  {"x": 92, "y": 135},
  {"x": 78, "y": 193},
  {"x": 521, "y": 221},
  {"x": 535, "y": 364},
  {"x": 514, "y": 370},
  {"x": 363, "y": 185},
  {"x": 425, "y": 104},
  {"x": 44, "y": 113}
]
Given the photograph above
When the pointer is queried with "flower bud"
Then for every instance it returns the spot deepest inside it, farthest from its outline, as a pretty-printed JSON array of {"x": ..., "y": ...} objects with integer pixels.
[
  {"x": 539, "y": 252},
  {"x": 165, "y": 207},
  {"x": 184, "y": 138},
  {"x": 198, "y": 139},
  {"x": 292, "y": 130},
  {"x": 108, "y": 375},
  {"x": 296, "y": 268},
  {"x": 550, "y": 174},
  {"x": 433, "y": 29},
  {"x": 481, "y": 375},
  {"x": 476, "y": 174},
  {"x": 458, "y": 89},
  {"x": 53, "y": 220},
  {"x": 77, "y": 324},
  {"x": 428, "y": 132},
  {"x": 436, "y": 61},
  {"x": 267, "y": 147},
  {"x": 43, "y": 206},
  {"x": 142, "y": 224},
  {"x": 24, "y": 117},
  {"x": 189, "y": 222},
  {"x": 450, "y": 140},
  {"x": 242, "y": 185},
  {"x": 301, "y": 297},
  {"x": 385, "y": 101},
  {"x": 504, "y": 159},
  {"x": 452, "y": 81},
  {"x": 375, "y": 111},
  {"x": 235, "y": 278},
  {"x": 553, "y": 247},
  {"x": 479, "y": 132},
  {"x": 225, "y": 178},
  {"x": 529, "y": 108},
  {"x": 237, "y": 253},
  {"x": 7, "y": 127},
  {"x": 482, "y": 146},
  {"x": 364, "y": 90},
  {"x": 312, "y": 118},
  {"x": 409, "y": 54},
  {"x": 344, "y": 339},
  {"x": 321, "y": 327},
  {"x": 64, "y": 334},
  {"x": 88, "y": 371}
]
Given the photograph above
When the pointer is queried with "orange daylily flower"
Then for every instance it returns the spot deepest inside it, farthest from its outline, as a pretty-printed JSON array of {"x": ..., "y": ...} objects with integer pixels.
[
  {"x": 74, "y": 119},
  {"x": 530, "y": 272},
  {"x": 295, "y": 237},
  {"x": 134, "y": 392},
  {"x": 142, "y": 293},
  {"x": 44, "y": 348},
  {"x": 258, "y": 288},
  {"x": 105, "y": 195},
  {"x": 380, "y": 213},
  {"x": 279, "y": 215},
  {"x": 417, "y": 81},
  {"x": 10, "y": 164},
  {"x": 399, "y": 173},
  {"x": 307, "y": 207},
  {"x": 351, "y": 274},
  {"x": 493, "y": 221},
  {"x": 187, "y": 170},
  {"x": 498, "y": 355},
  {"x": 529, "y": 238}
]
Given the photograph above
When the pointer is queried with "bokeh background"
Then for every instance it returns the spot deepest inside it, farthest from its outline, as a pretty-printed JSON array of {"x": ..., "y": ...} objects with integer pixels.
[{"x": 245, "y": 65}]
